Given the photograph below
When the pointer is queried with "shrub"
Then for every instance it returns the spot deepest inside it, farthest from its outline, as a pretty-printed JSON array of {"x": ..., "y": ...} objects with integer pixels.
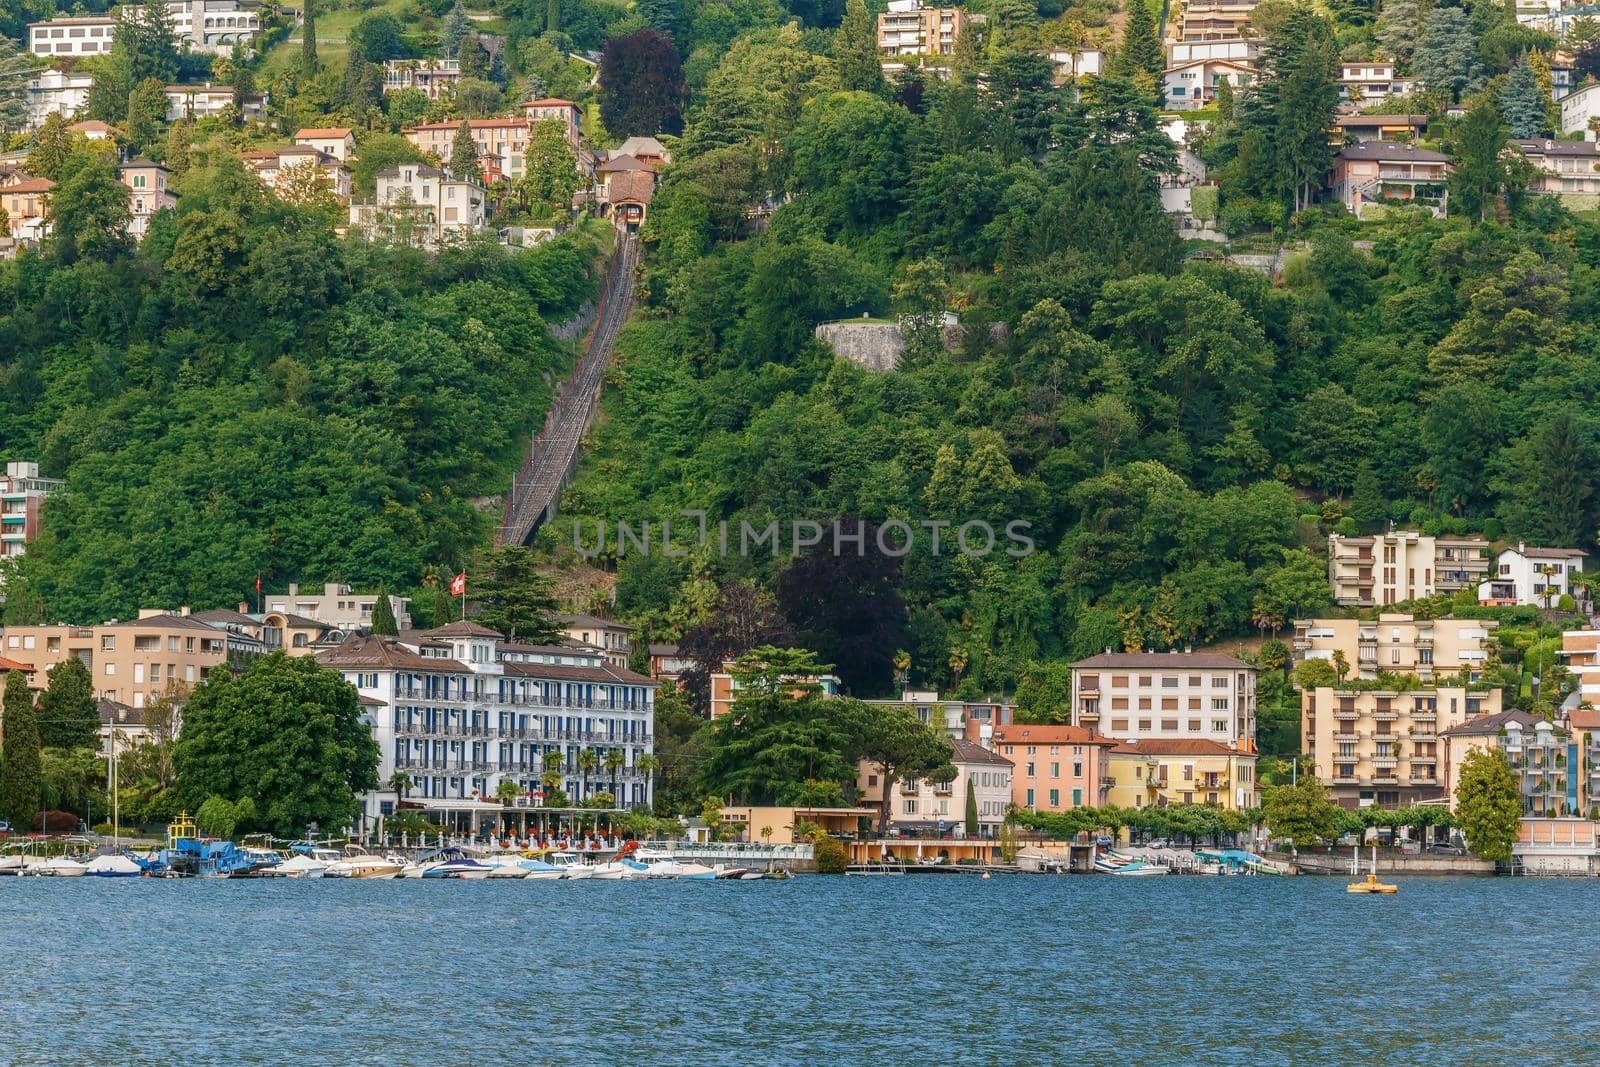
[
  {"x": 831, "y": 855},
  {"x": 55, "y": 822}
]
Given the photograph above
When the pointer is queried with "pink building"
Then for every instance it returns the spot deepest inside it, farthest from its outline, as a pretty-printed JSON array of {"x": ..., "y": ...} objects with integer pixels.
[
  {"x": 1056, "y": 768},
  {"x": 147, "y": 194}
]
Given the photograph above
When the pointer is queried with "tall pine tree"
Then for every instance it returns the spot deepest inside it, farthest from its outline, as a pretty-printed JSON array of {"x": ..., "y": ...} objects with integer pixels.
[
  {"x": 855, "y": 50},
  {"x": 1523, "y": 102},
  {"x": 1140, "y": 51},
  {"x": 69, "y": 715},
  {"x": 464, "y": 155},
  {"x": 1480, "y": 174},
  {"x": 308, "y": 41},
  {"x": 383, "y": 620},
  {"x": 19, "y": 791}
]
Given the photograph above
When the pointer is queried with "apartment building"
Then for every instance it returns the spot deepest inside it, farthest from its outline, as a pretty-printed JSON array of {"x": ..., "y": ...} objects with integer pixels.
[
  {"x": 22, "y": 493},
  {"x": 909, "y": 29},
  {"x": 336, "y": 141},
  {"x": 135, "y": 662},
  {"x": 1383, "y": 746},
  {"x": 1370, "y": 81},
  {"x": 1402, "y": 565},
  {"x": 25, "y": 209},
  {"x": 973, "y": 720},
  {"x": 1398, "y": 643},
  {"x": 501, "y": 143},
  {"x": 338, "y": 605},
  {"x": 1537, "y": 577},
  {"x": 1360, "y": 128},
  {"x": 434, "y": 77},
  {"x": 725, "y": 688},
  {"x": 563, "y": 111},
  {"x": 215, "y": 27},
  {"x": 278, "y": 167},
  {"x": 1581, "y": 649},
  {"x": 613, "y": 639},
  {"x": 1054, "y": 768},
  {"x": 1130, "y": 696},
  {"x": 56, "y": 92},
  {"x": 421, "y": 206},
  {"x": 147, "y": 194},
  {"x": 88, "y": 35},
  {"x": 455, "y": 716},
  {"x": 1372, "y": 172},
  {"x": 1159, "y": 773},
  {"x": 923, "y": 806},
  {"x": 667, "y": 664},
  {"x": 1486, "y": 732},
  {"x": 1568, "y": 169}
]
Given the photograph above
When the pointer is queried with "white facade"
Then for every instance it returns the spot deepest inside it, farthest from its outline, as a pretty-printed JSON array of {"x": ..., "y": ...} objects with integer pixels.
[
  {"x": 1578, "y": 108},
  {"x": 89, "y": 36},
  {"x": 56, "y": 93},
  {"x": 205, "y": 101},
  {"x": 1194, "y": 85},
  {"x": 284, "y": 163},
  {"x": 1533, "y": 577},
  {"x": 338, "y": 606},
  {"x": 458, "y": 720},
  {"x": 213, "y": 26},
  {"x": 1371, "y": 82},
  {"x": 422, "y": 206},
  {"x": 1080, "y": 63},
  {"x": 1234, "y": 50}
]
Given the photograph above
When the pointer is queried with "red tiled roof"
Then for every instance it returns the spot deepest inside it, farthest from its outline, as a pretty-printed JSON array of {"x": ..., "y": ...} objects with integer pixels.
[
  {"x": 1030, "y": 734},
  {"x": 321, "y": 132},
  {"x": 551, "y": 101},
  {"x": 1177, "y": 746},
  {"x": 12, "y": 665},
  {"x": 32, "y": 185}
]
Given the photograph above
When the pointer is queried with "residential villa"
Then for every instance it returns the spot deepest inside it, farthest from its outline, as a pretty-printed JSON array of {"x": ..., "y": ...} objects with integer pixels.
[
  {"x": 725, "y": 688},
  {"x": 667, "y": 664},
  {"x": 147, "y": 194},
  {"x": 210, "y": 101},
  {"x": 613, "y": 639},
  {"x": 1579, "y": 109},
  {"x": 1398, "y": 643},
  {"x": 1067, "y": 64},
  {"x": 91, "y": 130},
  {"x": 909, "y": 29},
  {"x": 502, "y": 143},
  {"x": 1402, "y": 565},
  {"x": 458, "y": 719},
  {"x": 122, "y": 725},
  {"x": 22, "y": 493},
  {"x": 1213, "y": 20},
  {"x": 276, "y": 166},
  {"x": 338, "y": 605},
  {"x": 1375, "y": 171},
  {"x": 1382, "y": 746},
  {"x": 1241, "y": 50},
  {"x": 336, "y": 141},
  {"x": 1568, "y": 169},
  {"x": 1194, "y": 85},
  {"x": 647, "y": 150},
  {"x": 1581, "y": 648},
  {"x": 1534, "y": 577},
  {"x": 1160, "y": 772},
  {"x": 1361, "y": 128},
  {"x": 215, "y": 27},
  {"x": 1140, "y": 696},
  {"x": 434, "y": 77},
  {"x": 135, "y": 662},
  {"x": 1054, "y": 768},
  {"x": 1370, "y": 82},
  {"x": 952, "y": 716},
  {"x": 921, "y": 805},
  {"x": 55, "y": 92},
  {"x": 1484, "y": 732},
  {"x": 25, "y": 209},
  {"x": 421, "y": 206},
  {"x": 563, "y": 111}
]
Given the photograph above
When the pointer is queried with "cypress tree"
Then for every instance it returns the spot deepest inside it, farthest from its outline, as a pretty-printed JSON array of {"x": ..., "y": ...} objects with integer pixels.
[
  {"x": 69, "y": 716},
  {"x": 308, "y": 41},
  {"x": 1141, "y": 50},
  {"x": 855, "y": 50},
  {"x": 972, "y": 810},
  {"x": 464, "y": 154},
  {"x": 1367, "y": 506},
  {"x": 383, "y": 621},
  {"x": 552, "y": 16},
  {"x": 19, "y": 792}
]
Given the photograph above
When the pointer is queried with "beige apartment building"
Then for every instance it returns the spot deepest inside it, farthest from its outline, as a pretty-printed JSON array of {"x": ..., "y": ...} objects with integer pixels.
[
  {"x": 1136, "y": 696},
  {"x": 1398, "y": 643},
  {"x": 133, "y": 662},
  {"x": 1581, "y": 648},
  {"x": 909, "y": 29},
  {"x": 1402, "y": 565},
  {"x": 1383, "y": 747},
  {"x": 337, "y": 606},
  {"x": 611, "y": 637}
]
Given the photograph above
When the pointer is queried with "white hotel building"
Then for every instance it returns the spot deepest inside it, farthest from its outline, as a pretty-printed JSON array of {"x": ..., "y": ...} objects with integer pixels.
[{"x": 459, "y": 710}]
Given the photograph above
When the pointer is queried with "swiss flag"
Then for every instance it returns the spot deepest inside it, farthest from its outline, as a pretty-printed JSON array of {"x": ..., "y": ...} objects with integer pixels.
[{"x": 458, "y": 584}]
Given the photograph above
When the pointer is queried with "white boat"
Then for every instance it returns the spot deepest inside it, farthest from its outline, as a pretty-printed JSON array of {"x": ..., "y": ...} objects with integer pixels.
[
  {"x": 1139, "y": 868},
  {"x": 540, "y": 871},
  {"x": 620, "y": 870},
  {"x": 570, "y": 866},
  {"x": 364, "y": 867},
  {"x": 664, "y": 868},
  {"x": 112, "y": 867},
  {"x": 696, "y": 872},
  {"x": 60, "y": 867},
  {"x": 298, "y": 866},
  {"x": 462, "y": 869},
  {"x": 507, "y": 870}
]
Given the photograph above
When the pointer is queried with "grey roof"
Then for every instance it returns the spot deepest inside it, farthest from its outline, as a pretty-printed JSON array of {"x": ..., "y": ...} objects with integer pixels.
[
  {"x": 461, "y": 628},
  {"x": 663, "y": 650},
  {"x": 1547, "y": 147},
  {"x": 1393, "y": 151},
  {"x": 1491, "y": 724},
  {"x": 968, "y": 752},
  {"x": 168, "y": 620},
  {"x": 226, "y": 616},
  {"x": 592, "y": 620},
  {"x": 120, "y": 714},
  {"x": 1160, "y": 660}
]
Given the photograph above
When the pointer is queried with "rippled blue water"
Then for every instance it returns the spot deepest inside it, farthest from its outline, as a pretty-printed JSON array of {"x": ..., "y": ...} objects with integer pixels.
[{"x": 815, "y": 970}]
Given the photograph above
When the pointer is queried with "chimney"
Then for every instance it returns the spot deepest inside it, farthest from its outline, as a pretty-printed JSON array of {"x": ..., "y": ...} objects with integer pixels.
[
  {"x": 294, "y": 588},
  {"x": 184, "y": 611},
  {"x": 1522, "y": 548},
  {"x": 244, "y": 608}
]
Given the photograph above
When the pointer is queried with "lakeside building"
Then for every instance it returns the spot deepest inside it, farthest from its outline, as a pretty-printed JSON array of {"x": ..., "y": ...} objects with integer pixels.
[
  {"x": 1533, "y": 577},
  {"x": 1382, "y": 747},
  {"x": 1161, "y": 772},
  {"x": 1398, "y": 643},
  {"x": 121, "y": 724},
  {"x": 1133, "y": 696},
  {"x": 22, "y": 493},
  {"x": 725, "y": 688},
  {"x": 950, "y": 715},
  {"x": 782, "y": 825},
  {"x": 1054, "y": 768},
  {"x": 909, "y": 29},
  {"x": 1401, "y": 565},
  {"x": 1485, "y": 732},
  {"x": 338, "y": 605},
  {"x": 136, "y": 661},
  {"x": 454, "y": 713},
  {"x": 920, "y": 806},
  {"x": 612, "y": 639}
]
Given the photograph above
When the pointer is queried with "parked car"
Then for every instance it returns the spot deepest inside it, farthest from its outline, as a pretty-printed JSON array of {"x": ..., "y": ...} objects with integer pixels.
[
  {"x": 5, "y": 828},
  {"x": 1159, "y": 842}
]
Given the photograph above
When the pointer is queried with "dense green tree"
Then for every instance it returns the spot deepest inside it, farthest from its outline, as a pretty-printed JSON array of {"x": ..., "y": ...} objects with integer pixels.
[
  {"x": 147, "y": 108},
  {"x": 20, "y": 770},
  {"x": 52, "y": 147},
  {"x": 641, "y": 85},
  {"x": 855, "y": 51},
  {"x": 377, "y": 37},
  {"x": 383, "y": 620},
  {"x": 1488, "y": 804},
  {"x": 1044, "y": 693},
  {"x": 286, "y": 733},
  {"x": 1547, "y": 481},
  {"x": 464, "y": 155},
  {"x": 1446, "y": 59},
  {"x": 1480, "y": 176},
  {"x": 514, "y": 597},
  {"x": 1140, "y": 52},
  {"x": 90, "y": 209},
  {"x": 1522, "y": 102},
  {"x": 1396, "y": 29},
  {"x": 457, "y": 27},
  {"x": 69, "y": 715},
  {"x": 550, "y": 174},
  {"x": 308, "y": 41},
  {"x": 1301, "y": 814},
  {"x": 972, "y": 809},
  {"x": 898, "y": 746}
]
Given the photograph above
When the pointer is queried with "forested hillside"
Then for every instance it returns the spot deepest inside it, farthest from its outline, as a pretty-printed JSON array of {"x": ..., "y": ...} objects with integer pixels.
[
  {"x": 1180, "y": 433},
  {"x": 244, "y": 393}
]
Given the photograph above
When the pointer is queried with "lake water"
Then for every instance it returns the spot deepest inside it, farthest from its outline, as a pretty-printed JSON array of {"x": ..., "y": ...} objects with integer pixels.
[{"x": 814, "y": 970}]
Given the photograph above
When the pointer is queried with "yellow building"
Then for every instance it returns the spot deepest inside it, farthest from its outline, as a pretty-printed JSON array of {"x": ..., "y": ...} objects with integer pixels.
[
  {"x": 1398, "y": 643},
  {"x": 1159, "y": 772}
]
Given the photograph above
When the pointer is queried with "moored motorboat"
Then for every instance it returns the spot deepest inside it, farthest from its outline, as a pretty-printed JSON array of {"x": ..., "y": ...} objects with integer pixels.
[
  {"x": 299, "y": 865},
  {"x": 1140, "y": 868},
  {"x": 364, "y": 866},
  {"x": 464, "y": 869},
  {"x": 507, "y": 870},
  {"x": 112, "y": 867},
  {"x": 60, "y": 867},
  {"x": 689, "y": 872}
]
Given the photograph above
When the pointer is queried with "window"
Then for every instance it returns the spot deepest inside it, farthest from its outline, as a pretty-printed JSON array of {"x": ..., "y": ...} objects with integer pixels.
[
  {"x": 1030, "y": 769},
  {"x": 111, "y": 668},
  {"x": 1055, "y": 770},
  {"x": 1219, "y": 681},
  {"x": 1194, "y": 726},
  {"x": 1219, "y": 703},
  {"x": 108, "y": 643},
  {"x": 1219, "y": 726},
  {"x": 1055, "y": 798},
  {"x": 1119, "y": 726},
  {"x": 1170, "y": 725},
  {"x": 910, "y": 806},
  {"x": 1077, "y": 768},
  {"x": 1144, "y": 724},
  {"x": 1188, "y": 772},
  {"x": 1030, "y": 798},
  {"x": 1169, "y": 682}
]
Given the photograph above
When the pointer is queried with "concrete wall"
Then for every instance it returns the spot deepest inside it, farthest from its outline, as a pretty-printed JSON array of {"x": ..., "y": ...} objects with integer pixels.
[
  {"x": 871, "y": 345},
  {"x": 1337, "y": 863}
]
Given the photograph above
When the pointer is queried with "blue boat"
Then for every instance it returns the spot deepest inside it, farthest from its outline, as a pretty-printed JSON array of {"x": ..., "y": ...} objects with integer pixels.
[{"x": 188, "y": 855}]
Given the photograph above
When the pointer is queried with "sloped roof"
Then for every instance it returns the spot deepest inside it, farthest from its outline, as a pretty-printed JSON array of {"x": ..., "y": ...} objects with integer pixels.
[
  {"x": 967, "y": 752},
  {"x": 8, "y": 664},
  {"x": 620, "y": 163},
  {"x": 1178, "y": 746},
  {"x": 226, "y": 616},
  {"x": 372, "y": 651},
  {"x": 32, "y": 185},
  {"x": 168, "y": 621},
  {"x": 1393, "y": 151},
  {"x": 1176, "y": 660},
  {"x": 120, "y": 714},
  {"x": 593, "y": 620},
  {"x": 1030, "y": 734},
  {"x": 461, "y": 628},
  {"x": 324, "y": 133},
  {"x": 1485, "y": 725}
]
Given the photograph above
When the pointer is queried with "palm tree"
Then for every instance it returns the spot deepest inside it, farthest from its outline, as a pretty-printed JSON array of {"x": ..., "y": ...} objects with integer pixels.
[
  {"x": 554, "y": 770},
  {"x": 507, "y": 791},
  {"x": 648, "y": 764},
  {"x": 400, "y": 782},
  {"x": 587, "y": 762},
  {"x": 613, "y": 762}
]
